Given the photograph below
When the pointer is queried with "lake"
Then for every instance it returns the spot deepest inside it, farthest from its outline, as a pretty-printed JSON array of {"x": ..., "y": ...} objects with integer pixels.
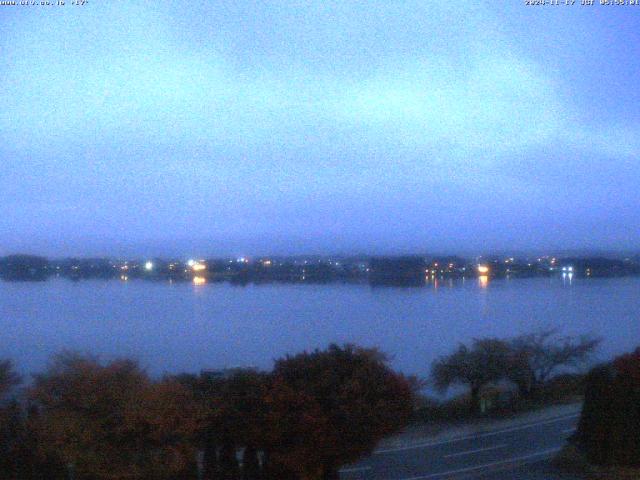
[{"x": 185, "y": 327}]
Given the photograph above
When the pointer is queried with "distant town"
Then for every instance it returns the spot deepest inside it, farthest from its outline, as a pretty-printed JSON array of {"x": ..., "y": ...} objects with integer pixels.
[{"x": 407, "y": 270}]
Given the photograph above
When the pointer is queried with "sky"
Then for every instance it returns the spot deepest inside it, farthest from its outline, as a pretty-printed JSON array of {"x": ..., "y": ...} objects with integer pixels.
[{"x": 241, "y": 127}]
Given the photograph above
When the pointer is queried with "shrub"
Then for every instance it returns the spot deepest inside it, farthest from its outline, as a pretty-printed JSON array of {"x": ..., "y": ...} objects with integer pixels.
[{"x": 609, "y": 428}]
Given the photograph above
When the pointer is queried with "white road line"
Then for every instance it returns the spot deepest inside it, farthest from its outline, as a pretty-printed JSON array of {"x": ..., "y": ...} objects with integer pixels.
[
  {"x": 354, "y": 469},
  {"x": 486, "y": 465},
  {"x": 479, "y": 435},
  {"x": 568, "y": 430},
  {"x": 477, "y": 450}
]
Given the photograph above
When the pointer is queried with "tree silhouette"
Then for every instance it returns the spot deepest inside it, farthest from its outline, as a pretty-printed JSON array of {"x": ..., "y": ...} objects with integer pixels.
[
  {"x": 8, "y": 377},
  {"x": 537, "y": 356},
  {"x": 487, "y": 360},
  {"x": 609, "y": 428},
  {"x": 234, "y": 419}
]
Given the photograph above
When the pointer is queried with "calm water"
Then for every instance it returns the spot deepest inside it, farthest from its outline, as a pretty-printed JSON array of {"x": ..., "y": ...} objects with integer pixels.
[{"x": 183, "y": 327}]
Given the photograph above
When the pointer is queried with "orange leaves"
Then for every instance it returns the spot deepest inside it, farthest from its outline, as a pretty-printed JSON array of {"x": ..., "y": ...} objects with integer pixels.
[
  {"x": 330, "y": 407},
  {"x": 315, "y": 412},
  {"x": 112, "y": 420}
]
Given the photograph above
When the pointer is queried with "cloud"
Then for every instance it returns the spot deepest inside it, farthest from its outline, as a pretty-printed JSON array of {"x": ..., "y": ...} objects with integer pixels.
[
  {"x": 133, "y": 77},
  {"x": 497, "y": 103},
  {"x": 344, "y": 115}
]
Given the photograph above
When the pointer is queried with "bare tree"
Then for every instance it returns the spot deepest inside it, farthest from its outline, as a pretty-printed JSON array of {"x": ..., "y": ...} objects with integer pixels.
[{"x": 537, "y": 356}]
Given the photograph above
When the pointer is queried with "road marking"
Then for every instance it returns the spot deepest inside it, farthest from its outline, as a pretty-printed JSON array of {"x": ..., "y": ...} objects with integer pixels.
[
  {"x": 354, "y": 469},
  {"x": 486, "y": 465},
  {"x": 477, "y": 450},
  {"x": 479, "y": 435},
  {"x": 568, "y": 430}
]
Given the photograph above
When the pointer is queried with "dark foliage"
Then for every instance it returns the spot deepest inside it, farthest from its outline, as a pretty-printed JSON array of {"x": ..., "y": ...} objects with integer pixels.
[
  {"x": 487, "y": 360},
  {"x": 233, "y": 408},
  {"x": 24, "y": 268},
  {"x": 8, "y": 377},
  {"x": 311, "y": 415},
  {"x": 609, "y": 429},
  {"x": 329, "y": 408}
]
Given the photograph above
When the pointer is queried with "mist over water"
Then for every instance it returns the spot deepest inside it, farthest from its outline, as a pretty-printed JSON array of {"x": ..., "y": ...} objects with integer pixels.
[{"x": 183, "y": 327}]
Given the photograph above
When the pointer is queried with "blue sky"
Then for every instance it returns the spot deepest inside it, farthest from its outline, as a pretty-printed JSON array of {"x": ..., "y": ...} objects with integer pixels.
[{"x": 291, "y": 127}]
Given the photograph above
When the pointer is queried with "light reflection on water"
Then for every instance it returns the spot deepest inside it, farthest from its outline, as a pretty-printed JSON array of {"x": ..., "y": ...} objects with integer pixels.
[{"x": 185, "y": 327}]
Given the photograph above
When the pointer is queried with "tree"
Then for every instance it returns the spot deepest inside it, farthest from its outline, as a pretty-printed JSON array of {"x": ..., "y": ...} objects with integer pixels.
[
  {"x": 486, "y": 361},
  {"x": 537, "y": 356},
  {"x": 609, "y": 428},
  {"x": 8, "y": 377},
  {"x": 111, "y": 421},
  {"x": 234, "y": 419},
  {"x": 329, "y": 408},
  {"x": 250, "y": 464},
  {"x": 628, "y": 367},
  {"x": 11, "y": 436},
  {"x": 626, "y": 437},
  {"x": 24, "y": 267},
  {"x": 594, "y": 427},
  {"x": 10, "y": 420}
]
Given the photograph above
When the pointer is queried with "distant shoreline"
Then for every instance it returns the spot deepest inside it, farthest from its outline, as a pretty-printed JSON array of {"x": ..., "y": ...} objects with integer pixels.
[{"x": 403, "y": 271}]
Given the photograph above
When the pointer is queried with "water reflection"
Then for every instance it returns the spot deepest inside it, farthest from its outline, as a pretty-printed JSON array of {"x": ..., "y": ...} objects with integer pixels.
[
  {"x": 199, "y": 280},
  {"x": 483, "y": 281}
]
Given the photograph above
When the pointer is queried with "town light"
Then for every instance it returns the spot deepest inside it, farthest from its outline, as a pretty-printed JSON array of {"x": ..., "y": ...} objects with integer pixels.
[
  {"x": 148, "y": 266},
  {"x": 198, "y": 267},
  {"x": 483, "y": 269}
]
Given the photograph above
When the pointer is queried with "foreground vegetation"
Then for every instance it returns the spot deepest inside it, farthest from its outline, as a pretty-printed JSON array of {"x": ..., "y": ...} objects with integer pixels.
[
  {"x": 606, "y": 445},
  {"x": 528, "y": 370},
  {"x": 312, "y": 414},
  {"x": 609, "y": 429}
]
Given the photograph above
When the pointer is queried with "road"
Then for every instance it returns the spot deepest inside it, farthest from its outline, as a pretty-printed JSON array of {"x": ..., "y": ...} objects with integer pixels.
[{"x": 521, "y": 451}]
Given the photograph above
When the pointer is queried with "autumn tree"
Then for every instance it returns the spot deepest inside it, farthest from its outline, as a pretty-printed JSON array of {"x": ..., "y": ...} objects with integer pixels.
[
  {"x": 537, "y": 356},
  {"x": 111, "y": 421},
  {"x": 486, "y": 360},
  {"x": 330, "y": 407}
]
